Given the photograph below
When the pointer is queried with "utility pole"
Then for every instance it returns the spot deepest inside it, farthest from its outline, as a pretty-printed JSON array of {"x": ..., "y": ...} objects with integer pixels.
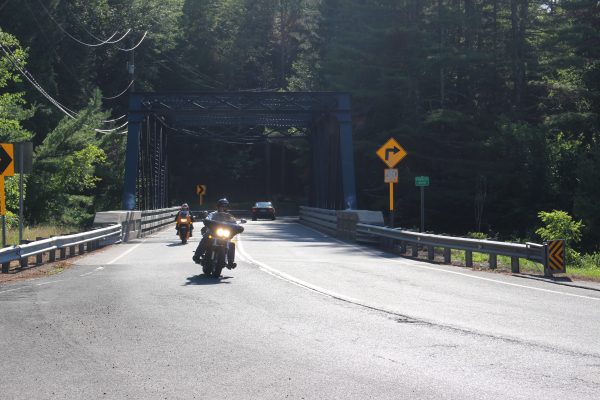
[{"x": 131, "y": 67}]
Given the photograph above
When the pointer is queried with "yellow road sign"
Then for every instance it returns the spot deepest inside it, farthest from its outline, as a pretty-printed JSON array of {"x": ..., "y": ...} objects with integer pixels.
[
  {"x": 391, "y": 153},
  {"x": 7, "y": 165},
  {"x": 556, "y": 256},
  {"x": 200, "y": 190}
]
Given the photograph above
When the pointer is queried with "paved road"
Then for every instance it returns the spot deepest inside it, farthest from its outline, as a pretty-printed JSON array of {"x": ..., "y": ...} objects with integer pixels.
[{"x": 302, "y": 317}]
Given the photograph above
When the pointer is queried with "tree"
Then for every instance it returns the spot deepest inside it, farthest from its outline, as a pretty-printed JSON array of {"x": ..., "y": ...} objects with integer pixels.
[
  {"x": 12, "y": 104},
  {"x": 61, "y": 189}
]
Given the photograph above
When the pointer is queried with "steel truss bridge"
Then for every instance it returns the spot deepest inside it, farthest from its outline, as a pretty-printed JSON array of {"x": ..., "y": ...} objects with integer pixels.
[{"x": 243, "y": 117}]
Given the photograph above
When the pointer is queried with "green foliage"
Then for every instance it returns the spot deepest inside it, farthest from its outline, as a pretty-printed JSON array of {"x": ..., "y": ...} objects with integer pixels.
[
  {"x": 496, "y": 101},
  {"x": 559, "y": 225},
  {"x": 590, "y": 261},
  {"x": 12, "y": 105},
  {"x": 61, "y": 188},
  {"x": 11, "y": 190},
  {"x": 12, "y": 220},
  {"x": 477, "y": 235}
]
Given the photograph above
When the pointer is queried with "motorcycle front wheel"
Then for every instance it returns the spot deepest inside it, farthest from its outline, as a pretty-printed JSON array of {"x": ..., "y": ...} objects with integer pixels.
[{"x": 219, "y": 263}]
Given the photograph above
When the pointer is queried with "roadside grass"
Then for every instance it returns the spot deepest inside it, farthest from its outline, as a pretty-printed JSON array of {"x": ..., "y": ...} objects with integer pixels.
[
  {"x": 481, "y": 260},
  {"x": 33, "y": 232}
]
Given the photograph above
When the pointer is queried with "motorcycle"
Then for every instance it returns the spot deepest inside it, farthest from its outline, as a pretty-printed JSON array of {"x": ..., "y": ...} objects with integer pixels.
[
  {"x": 184, "y": 223},
  {"x": 220, "y": 236}
]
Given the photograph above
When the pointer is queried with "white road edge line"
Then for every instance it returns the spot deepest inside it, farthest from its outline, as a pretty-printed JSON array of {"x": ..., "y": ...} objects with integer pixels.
[
  {"x": 47, "y": 283},
  {"x": 497, "y": 281},
  {"x": 10, "y": 290},
  {"x": 404, "y": 263},
  {"x": 124, "y": 254},
  {"x": 294, "y": 280}
]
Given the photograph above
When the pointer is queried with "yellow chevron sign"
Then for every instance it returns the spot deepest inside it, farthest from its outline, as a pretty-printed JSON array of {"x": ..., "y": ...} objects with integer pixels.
[{"x": 556, "y": 256}]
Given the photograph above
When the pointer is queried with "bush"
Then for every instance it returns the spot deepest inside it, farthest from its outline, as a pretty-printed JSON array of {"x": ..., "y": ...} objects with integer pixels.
[
  {"x": 477, "y": 235},
  {"x": 560, "y": 225},
  {"x": 589, "y": 261},
  {"x": 12, "y": 220}
]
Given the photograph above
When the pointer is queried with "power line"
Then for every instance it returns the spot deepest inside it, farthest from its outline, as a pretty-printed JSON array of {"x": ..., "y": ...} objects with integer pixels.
[
  {"x": 114, "y": 120},
  {"x": 112, "y": 130},
  {"x": 134, "y": 47},
  {"x": 120, "y": 94},
  {"x": 67, "y": 67},
  {"x": 10, "y": 55},
  {"x": 73, "y": 37}
]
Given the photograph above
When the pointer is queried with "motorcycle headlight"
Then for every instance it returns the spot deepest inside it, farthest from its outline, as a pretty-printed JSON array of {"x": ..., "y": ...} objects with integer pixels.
[{"x": 224, "y": 233}]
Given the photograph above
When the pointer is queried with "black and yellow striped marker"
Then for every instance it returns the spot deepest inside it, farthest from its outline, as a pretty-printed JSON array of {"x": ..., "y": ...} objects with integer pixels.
[{"x": 556, "y": 256}]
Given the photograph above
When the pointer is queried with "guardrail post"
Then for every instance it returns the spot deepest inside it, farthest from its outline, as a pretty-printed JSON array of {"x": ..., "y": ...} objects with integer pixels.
[
  {"x": 493, "y": 261},
  {"x": 514, "y": 265},
  {"x": 71, "y": 251},
  {"x": 447, "y": 255},
  {"x": 63, "y": 253},
  {"x": 430, "y": 253},
  {"x": 402, "y": 247},
  {"x": 415, "y": 250},
  {"x": 24, "y": 262},
  {"x": 5, "y": 267},
  {"x": 39, "y": 258},
  {"x": 52, "y": 256},
  {"x": 81, "y": 248},
  {"x": 469, "y": 258}
]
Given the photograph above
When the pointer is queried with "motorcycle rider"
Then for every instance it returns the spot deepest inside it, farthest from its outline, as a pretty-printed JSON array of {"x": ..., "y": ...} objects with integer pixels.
[
  {"x": 220, "y": 215},
  {"x": 184, "y": 212}
]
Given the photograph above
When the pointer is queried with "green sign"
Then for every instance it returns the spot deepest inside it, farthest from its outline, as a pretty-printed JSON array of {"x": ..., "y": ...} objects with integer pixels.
[{"x": 421, "y": 181}]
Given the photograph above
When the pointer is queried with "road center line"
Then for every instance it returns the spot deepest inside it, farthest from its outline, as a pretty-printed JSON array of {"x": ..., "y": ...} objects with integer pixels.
[{"x": 125, "y": 253}]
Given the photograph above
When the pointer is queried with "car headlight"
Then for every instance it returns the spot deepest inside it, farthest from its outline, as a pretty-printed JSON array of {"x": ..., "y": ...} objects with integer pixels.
[{"x": 224, "y": 233}]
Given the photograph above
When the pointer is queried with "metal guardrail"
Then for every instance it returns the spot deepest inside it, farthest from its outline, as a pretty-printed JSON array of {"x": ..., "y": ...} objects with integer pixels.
[
  {"x": 154, "y": 220},
  {"x": 330, "y": 221},
  {"x": 93, "y": 239},
  {"x": 319, "y": 218},
  {"x": 530, "y": 251}
]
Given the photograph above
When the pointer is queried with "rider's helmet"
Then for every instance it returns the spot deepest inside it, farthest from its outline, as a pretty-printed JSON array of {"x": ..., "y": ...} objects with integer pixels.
[
  {"x": 185, "y": 206},
  {"x": 222, "y": 204}
]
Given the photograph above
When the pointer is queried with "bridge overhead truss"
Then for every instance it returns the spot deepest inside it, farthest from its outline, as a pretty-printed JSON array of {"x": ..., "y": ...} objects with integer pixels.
[{"x": 240, "y": 117}]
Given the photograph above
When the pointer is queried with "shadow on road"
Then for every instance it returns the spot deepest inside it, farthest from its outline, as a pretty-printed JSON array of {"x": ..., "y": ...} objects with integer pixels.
[
  {"x": 176, "y": 244},
  {"x": 206, "y": 280}
]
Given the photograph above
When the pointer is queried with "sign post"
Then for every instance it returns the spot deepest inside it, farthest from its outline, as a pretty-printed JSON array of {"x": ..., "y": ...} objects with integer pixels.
[
  {"x": 422, "y": 181},
  {"x": 391, "y": 153},
  {"x": 201, "y": 191}
]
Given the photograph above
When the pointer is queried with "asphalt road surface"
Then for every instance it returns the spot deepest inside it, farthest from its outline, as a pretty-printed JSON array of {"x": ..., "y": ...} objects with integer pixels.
[{"x": 303, "y": 316}]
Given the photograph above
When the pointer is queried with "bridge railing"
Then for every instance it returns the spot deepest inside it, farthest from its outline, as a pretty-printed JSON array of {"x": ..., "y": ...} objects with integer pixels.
[
  {"x": 348, "y": 225},
  {"x": 75, "y": 244}
]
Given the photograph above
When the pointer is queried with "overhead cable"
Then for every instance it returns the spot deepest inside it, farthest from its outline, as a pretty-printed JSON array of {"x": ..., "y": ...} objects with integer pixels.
[
  {"x": 112, "y": 130},
  {"x": 101, "y": 43},
  {"x": 31, "y": 80},
  {"x": 120, "y": 94},
  {"x": 134, "y": 47},
  {"x": 114, "y": 120}
]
